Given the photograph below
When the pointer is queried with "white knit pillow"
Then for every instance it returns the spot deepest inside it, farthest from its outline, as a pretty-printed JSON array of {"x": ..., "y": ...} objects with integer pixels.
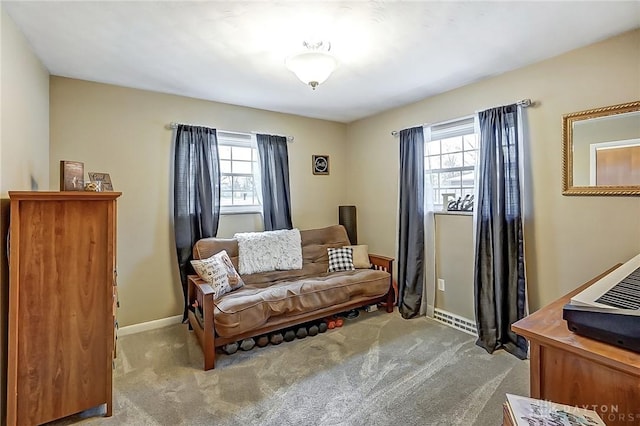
[{"x": 279, "y": 250}]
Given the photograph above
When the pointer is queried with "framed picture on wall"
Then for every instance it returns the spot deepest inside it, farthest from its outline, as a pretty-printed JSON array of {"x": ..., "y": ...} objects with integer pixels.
[
  {"x": 103, "y": 178},
  {"x": 320, "y": 164},
  {"x": 71, "y": 175}
]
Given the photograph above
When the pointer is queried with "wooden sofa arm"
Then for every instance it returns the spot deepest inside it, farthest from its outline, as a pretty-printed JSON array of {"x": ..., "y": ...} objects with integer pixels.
[
  {"x": 384, "y": 263},
  {"x": 201, "y": 292}
]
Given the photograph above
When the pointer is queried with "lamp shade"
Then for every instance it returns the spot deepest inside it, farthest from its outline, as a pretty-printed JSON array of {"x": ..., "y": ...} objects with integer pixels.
[{"x": 312, "y": 67}]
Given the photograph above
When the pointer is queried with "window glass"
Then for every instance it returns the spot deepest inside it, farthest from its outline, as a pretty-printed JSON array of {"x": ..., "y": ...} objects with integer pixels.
[
  {"x": 450, "y": 159},
  {"x": 225, "y": 166},
  {"x": 225, "y": 183},
  {"x": 224, "y": 151},
  {"x": 238, "y": 162},
  {"x": 241, "y": 153},
  {"x": 452, "y": 144},
  {"x": 243, "y": 167},
  {"x": 433, "y": 162},
  {"x": 433, "y": 147}
]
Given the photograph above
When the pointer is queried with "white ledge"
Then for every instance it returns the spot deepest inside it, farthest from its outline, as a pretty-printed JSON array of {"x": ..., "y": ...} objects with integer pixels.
[{"x": 454, "y": 212}]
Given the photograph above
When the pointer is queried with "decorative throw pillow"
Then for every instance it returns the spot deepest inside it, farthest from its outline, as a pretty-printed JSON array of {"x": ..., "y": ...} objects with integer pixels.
[
  {"x": 360, "y": 256},
  {"x": 265, "y": 251},
  {"x": 340, "y": 259},
  {"x": 219, "y": 272}
]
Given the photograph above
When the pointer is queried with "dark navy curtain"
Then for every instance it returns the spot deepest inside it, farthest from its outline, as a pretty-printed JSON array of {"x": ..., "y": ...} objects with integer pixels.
[
  {"x": 499, "y": 276},
  {"x": 411, "y": 222},
  {"x": 196, "y": 196},
  {"x": 274, "y": 171}
]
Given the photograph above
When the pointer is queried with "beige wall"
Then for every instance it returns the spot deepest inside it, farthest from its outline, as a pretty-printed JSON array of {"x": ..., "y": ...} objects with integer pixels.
[
  {"x": 454, "y": 264},
  {"x": 568, "y": 239},
  {"x": 24, "y": 151},
  {"x": 24, "y": 146},
  {"x": 122, "y": 131}
]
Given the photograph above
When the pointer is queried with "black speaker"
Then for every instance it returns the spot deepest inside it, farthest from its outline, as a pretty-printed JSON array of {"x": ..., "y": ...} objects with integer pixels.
[{"x": 347, "y": 218}]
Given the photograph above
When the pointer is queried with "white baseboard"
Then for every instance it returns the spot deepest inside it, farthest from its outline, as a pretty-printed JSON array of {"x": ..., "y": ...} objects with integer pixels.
[{"x": 149, "y": 325}]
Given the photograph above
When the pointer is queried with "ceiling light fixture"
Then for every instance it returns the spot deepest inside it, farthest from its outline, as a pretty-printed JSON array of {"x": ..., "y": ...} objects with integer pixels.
[{"x": 314, "y": 65}]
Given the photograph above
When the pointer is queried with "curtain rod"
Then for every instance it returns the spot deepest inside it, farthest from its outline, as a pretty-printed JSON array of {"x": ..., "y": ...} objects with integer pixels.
[
  {"x": 174, "y": 125},
  {"x": 289, "y": 138},
  {"x": 524, "y": 103}
]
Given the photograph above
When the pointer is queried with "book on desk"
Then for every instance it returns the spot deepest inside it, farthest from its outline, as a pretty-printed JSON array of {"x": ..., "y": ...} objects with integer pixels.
[{"x": 523, "y": 411}]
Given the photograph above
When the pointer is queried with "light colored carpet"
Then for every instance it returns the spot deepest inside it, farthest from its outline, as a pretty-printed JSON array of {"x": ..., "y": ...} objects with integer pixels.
[{"x": 378, "y": 369}]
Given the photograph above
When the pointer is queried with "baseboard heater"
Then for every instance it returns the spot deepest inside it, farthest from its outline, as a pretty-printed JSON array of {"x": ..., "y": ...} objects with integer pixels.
[{"x": 456, "y": 321}]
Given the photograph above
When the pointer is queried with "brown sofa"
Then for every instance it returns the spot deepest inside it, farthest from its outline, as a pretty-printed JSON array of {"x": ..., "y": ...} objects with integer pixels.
[{"x": 275, "y": 300}]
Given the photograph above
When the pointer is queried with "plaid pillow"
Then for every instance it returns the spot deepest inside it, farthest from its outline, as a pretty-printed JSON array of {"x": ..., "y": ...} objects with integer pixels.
[{"x": 340, "y": 259}]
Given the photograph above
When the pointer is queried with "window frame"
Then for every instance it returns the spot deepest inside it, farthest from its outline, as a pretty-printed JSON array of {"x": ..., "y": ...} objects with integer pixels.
[
  {"x": 448, "y": 129},
  {"x": 242, "y": 140}
]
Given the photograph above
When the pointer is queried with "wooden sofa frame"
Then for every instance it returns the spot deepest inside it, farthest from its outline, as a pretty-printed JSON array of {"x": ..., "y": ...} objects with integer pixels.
[{"x": 204, "y": 329}]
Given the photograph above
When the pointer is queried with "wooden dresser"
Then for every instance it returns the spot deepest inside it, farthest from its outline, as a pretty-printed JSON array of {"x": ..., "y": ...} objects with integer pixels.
[
  {"x": 61, "y": 309},
  {"x": 575, "y": 370}
]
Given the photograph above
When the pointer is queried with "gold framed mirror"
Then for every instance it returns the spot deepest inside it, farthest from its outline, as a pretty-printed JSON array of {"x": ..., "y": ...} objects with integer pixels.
[{"x": 601, "y": 151}]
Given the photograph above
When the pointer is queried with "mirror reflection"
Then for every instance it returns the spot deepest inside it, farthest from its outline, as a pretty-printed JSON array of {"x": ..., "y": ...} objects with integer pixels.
[
  {"x": 602, "y": 151},
  {"x": 605, "y": 149}
]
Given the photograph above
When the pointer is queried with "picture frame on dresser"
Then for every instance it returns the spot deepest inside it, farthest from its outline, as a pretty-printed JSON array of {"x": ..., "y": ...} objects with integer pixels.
[
  {"x": 71, "y": 175},
  {"x": 103, "y": 178}
]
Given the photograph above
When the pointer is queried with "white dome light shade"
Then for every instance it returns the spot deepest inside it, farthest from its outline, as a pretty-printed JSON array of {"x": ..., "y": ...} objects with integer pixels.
[{"x": 312, "y": 67}]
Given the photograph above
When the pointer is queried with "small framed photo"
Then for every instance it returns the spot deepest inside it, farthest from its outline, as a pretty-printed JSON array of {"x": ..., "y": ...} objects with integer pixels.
[
  {"x": 71, "y": 175},
  {"x": 320, "y": 164},
  {"x": 103, "y": 178}
]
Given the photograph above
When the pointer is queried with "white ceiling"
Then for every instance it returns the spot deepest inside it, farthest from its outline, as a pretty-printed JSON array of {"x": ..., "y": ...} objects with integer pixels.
[{"x": 390, "y": 53}]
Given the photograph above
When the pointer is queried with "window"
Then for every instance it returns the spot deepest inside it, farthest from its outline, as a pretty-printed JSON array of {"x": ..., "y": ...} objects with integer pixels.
[
  {"x": 238, "y": 165},
  {"x": 451, "y": 150}
]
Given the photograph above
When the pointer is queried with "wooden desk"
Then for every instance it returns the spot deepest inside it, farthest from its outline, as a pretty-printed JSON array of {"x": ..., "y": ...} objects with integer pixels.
[{"x": 574, "y": 370}]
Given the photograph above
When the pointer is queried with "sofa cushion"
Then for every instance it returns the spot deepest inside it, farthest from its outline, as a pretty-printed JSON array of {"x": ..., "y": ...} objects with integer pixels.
[{"x": 252, "y": 306}]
